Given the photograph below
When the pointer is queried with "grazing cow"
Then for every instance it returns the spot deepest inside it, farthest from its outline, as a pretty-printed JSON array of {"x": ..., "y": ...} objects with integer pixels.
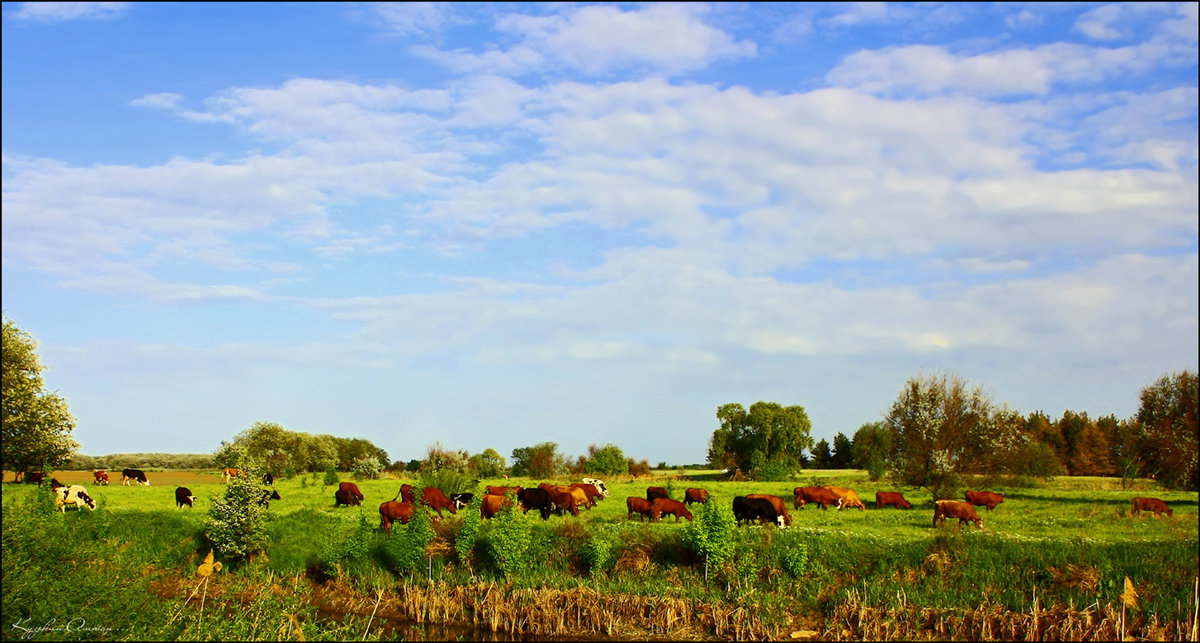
[
  {"x": 267, "y": 497},
  {"x": 183, "y": 496},
  {"x": 502, "y": 491},
  {"x": 352, "y": 489},
  {"x": 74, "y": 495},
  {"x": 849, "y": 498},
  {"x": 670, "y": 507},
  {"x": 987, "y": 498},
  {"x": 406, "y": 492},
  {"x": 101, "y": 478},
  {"x": 227, "y": 473},
  {"x": 35, "y": 477},
  {"x": 536, "y": 498},
  {"x": 581, "y": 498},
  {"x": 656, "y": 492},
  {"x": 778, "y": 504},
  {"x": 493, "y": 504},
  {"x": 640, "y": 506},
  {"x": 461, "y": 500},
  {"x": 55, "y": 484},
  {"x": 345, "y": 497},
  {"x": 269, "y": 479},
  {"x": 563, "y": 500},
  {"x": 134, "y": 475},
  {"x": 593, "y": 494},
  {"x": 435, "y": 499},
  {"x": 598, "y": 483},
  {"x": 695, "y": 495},
  {"x": 391, "y": 511},
  {"x": 891, "y": 499},
  {"x": 955, "y": 509},
  {"x": 819, "y": 495},
  {"x": 1150, "y": 504},
  {"x": 749, "y": 509}
]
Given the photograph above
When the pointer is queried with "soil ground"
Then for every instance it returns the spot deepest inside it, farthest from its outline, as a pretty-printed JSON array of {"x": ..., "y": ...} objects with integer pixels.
[{"x": 156, "y": 478}]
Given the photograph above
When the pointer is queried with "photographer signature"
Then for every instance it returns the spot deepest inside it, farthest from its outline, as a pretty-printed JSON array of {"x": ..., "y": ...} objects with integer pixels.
[{"x": 74, "y": 625}]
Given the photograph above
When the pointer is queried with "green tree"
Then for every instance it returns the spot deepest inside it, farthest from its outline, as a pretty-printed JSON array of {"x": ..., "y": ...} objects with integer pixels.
[
  {"x": 37, "y": 424},
  {"x": 489, "y": 464},
  {"x": 710, "y": 533},
  {"x": 541, "y": 460},
  {"x": 237, "y": 525},
  {"x": 821, "y": 457},
  {"x": 872, "y": 447},
  {"x": 1170, "y": 438},
  {"x": 606, "y": 460},
  {"x": 843, "y": 452},
  {"x": 767, "y": 434}
]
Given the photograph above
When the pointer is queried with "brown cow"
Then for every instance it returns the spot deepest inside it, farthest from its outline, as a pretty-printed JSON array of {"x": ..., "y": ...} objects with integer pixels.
[
  {"x": 345, "y": 497},
  {"x": 593, "y": 494},
  {"x": 492, "y": 504},
  {"x": 954, "y": 509},
  {"x": 581, "y": 497},
  {"x": 695, "y": 495},
  {"x": 352, "y": 489},
  {"x": 777, "y": 503},
  {"x": 985, "y": 498},
  {"x": 435, "y": 499},
  {"x": 891, "y": 499},
  {"x": 228, "y": 472},
  {"x": 656, "y": 492},
  {"x": 849, "y": 498},
  {"x": 501, "y": 491},
  {"x": 637, "y": 505},
  {"x": 391, "y": 511},
  {"x": 675, "y": 508},
  {"x": 406, "y": 492},
  {"x": 563, "y": 500},
  {"x": 819, "y": 495},
  {"x": 1150, "y": 504},
  {"x": 101, "y": 477}
]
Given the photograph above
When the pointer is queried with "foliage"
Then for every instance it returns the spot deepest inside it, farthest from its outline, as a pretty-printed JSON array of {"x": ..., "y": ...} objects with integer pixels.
[
  {"x": 277, "y": 448},
  {"x": 468, "y": 530},
  {"x": 597, "y": 551},
  {"x": 821, "y": 457},
  {"x": 489, "y": 464},
  {"x": 118, "y": 461},
  {"x": 1170, "y": 435},
  {"x": 771, "y": 471},
  {"x": 606, "y": 460},
  {"x": 448, "y": 480},
  {"x": 367, "y": 468},
  {"x": 793, "y": 553},
  {"x": 843, "y": 452},
  {"x": 439, "y": 458},
  {"x": 405, "y": 548},
  {"x": 872, "y": 445},
  {"x": 638, "y": 468},
  {"x": 710, "y": 533},
  {"x": 236, "y": 526},
  {"x": 768, "y": 431},
  {"x": 37, "y": 424},
  {"x": 509, "y": 539},
  {"x": 353, "y": 547},
  {"x": 541, "y": 460},
  {"x": 331, "y": 476}
]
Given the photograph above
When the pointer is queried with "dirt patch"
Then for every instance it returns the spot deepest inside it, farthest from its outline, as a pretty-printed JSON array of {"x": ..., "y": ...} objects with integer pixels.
[{"x": 156, "y": 478}]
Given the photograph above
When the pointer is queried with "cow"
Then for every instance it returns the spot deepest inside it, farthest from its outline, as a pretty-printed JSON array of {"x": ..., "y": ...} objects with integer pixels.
[
  {"x": 749, "y": 509},
  {"x": 269, "y": 479},
  {"x": 563, "y": 500},
  {"x": 227, "y": 473},
  {"x": 695, "y": 495},
  {"x": 406, "y": 492},
  {"x": 391, "y": 511},
  {"x": 849, "y": 498},
  {"x": 502, "y": 491},
  {"x": 492, "y": 505},
  {"x": 1150, "y": 504},
  {"x": 598, "y": 484},
  {"x": 987, "y": 498},
  {"x": 581, "y": 497},
  {"x": 955, "y": 509},
  {"x": 819, "y": 495},
  {"x": 267, "y": 497},
  {"x": 74, "y": 495},
  {"x": 461, "y": 500},
  {"x": 891, "y": 499},
  {"x": 134, "y": 475},
  {"x": 640, "y": 506},
  {"x": 671, "y": 507},
  {"x": 593, "y": 494},
  {"x": 656, "y": 492},
  {"x": 183, "y": 496},
  {"x": 352, "y": 489},
  {"x": 536, "y": 498},
  {"x": 435, "y": 499},
  {"x": 101, "y": 478},
  {"x": 35, "y": 477},
  {"x": 345, "y": 497},
  {"x": 55, "y": 484},
  {"x": 778, "y": 504}
]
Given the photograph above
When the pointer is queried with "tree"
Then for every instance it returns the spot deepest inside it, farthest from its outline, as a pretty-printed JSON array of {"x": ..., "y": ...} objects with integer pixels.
[
  {"x": 539, "y": 461},
  {"x": 37, "y": 424},
  {"x": 1170, "y": 437},
  {"x": 821, "y": 457},
  {"x": 489, "y": 464},
  {"x": 769, "y": 436},
  {"x": 872, "y": 446},
  {"x": 843, "y": 452},
  {"x": 606, "y": 460}
]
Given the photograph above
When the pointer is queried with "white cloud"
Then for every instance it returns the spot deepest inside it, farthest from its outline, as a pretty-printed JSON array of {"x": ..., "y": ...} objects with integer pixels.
[
  {"x": 415, "y": 18},
  {"x": 64, "y": 11}
]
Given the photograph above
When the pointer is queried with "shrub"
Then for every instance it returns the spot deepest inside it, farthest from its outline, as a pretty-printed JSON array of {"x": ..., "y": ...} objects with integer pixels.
[
  {"x": 596, "y": 552},
  {"x": 710, "y": 533},
  {"x": 236, "y": 527},
  {"x": 509, "y": 540},
  {"x": 606, "y": 460},
  {"x": 448, "y": 480},
  {"x": 406, "y": 546},
  {"x": 468, "y": 532},
  {"x": 367, "y": 468},
  {"x": 793, "y": 554},
  {"x": 331, "y": 476},
  {"x": 771, "y": 471}
]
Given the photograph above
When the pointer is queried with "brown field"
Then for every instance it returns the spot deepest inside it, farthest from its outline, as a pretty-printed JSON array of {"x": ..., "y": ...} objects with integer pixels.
[{"x": 164, "y": 478}]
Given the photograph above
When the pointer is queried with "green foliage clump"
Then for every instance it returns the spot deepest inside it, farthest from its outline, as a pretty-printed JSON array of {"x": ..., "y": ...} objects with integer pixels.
[
  {"x": 237, "y": 527},
  {"x": 468, "y": 531},
  {"x": 489, "y": 464},
  {"x": 367, "y": 468},
  {"x": 793, "y": 554},
  {"x": 772, "y": 471},
  {"x": 509, "y": 539},
  {"x": 710, "y": 533},
  {"x": 448, "y": 480},
  {"x": 405, "y": 548},
  {"x": 331, "y": 476},
  {"x": 354, "y": 547},
  {"x": 597, "y": 552},
  {"x": 606, "y": 460}
]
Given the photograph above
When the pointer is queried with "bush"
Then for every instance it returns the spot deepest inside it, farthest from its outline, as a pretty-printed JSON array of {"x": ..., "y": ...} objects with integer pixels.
[
  {"x": 331, "y": 476},
  {"x": 509, "y": 540},
  {"x": 367, "y": 468},
  {"x": 771, "y": 471},
  {"x": 448, "y": 480},
  {"x": 596, "y": 552},
  {"x": 468, "y": 532},
  {"x": 406, "y": 547},
  {"x": 236, "y": 527},
  {"x": 710, "y": 533},
  {"x": 793, "y": 554}
]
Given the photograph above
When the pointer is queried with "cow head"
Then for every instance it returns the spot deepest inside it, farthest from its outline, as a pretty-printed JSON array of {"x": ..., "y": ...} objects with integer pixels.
[{"x": 87, "y": 500}]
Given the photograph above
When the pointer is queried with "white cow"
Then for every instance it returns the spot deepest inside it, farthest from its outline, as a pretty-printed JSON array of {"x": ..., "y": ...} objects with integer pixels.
[
  {"x": 598, "y": 483},
  {"x": 73, "y": 495}
]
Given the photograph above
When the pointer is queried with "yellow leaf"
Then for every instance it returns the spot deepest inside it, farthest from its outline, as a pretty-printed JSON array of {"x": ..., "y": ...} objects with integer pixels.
[{"x": 1129, "y": 596}]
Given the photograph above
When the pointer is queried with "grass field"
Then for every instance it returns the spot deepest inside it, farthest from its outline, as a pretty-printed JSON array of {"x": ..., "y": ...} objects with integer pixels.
[{"x": 1071, "y": 542}]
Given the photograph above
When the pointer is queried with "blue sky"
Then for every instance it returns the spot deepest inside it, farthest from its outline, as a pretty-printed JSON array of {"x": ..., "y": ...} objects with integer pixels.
[{"x": 493, "y": 225}]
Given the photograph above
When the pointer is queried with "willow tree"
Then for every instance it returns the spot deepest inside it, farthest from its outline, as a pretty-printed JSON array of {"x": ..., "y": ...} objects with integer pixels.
[{"x": 767, "y": 440}]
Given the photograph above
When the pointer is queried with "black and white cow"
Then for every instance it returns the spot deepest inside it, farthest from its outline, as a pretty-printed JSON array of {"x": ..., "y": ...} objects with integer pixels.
[
  {"x": 74, "y": 495},
  {"x": 268, "y": 479},
  {"x": 183, "y": 496},
  {"x": 598, "y": 483},
  {"x": 135, "y": 475},
  {"x": 267, "y": 497},
  {"x": 461, "y": 500}
]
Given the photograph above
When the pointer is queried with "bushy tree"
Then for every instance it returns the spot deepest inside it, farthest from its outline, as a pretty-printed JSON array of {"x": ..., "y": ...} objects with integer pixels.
[
  {"x": 1168, "y": 423},
  {"x": 37, "y": 424},
  {"x": 489, "y": 464},
  {"x": 843, "y": 452},
  {"x": 872, "y": 448},
  {"x": 236, "y": 527},
  {"x": 541, "y": 460},
  {"x": 747, "y": 440},
  {"x": 710, "y": 533},
  {"x": 606, "y": 460},
  {"x": 367, "y": 468}
]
